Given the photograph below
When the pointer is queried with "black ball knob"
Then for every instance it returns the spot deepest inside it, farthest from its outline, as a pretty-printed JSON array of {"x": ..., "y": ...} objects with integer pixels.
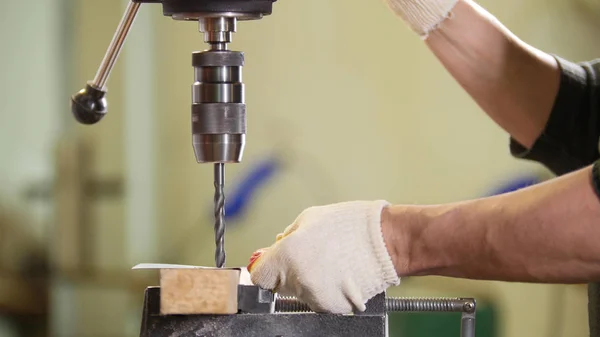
[{"x": 89, "y": 105}]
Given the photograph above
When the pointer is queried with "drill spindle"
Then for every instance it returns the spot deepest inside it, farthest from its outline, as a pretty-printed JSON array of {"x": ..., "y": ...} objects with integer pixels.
[{"x": 220, "y": 214}]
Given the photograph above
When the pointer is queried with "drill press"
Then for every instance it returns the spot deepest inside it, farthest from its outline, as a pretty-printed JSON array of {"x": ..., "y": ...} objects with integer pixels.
[
  {"x": 218, "y": 137},
  {"x": 218, "y": 97}
]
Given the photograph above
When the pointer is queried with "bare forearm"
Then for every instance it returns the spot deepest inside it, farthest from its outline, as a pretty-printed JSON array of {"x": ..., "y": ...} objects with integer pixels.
[
  {"x": 514, "y": 83},
  {"x": 547, "y": 233}
]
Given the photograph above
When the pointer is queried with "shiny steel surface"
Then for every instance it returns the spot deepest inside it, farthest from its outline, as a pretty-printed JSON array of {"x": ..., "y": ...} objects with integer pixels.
[
  {"x": 218, "y": 111},
  {"x": 218, "y": 93},
  {"x": 200, "y": 15},
  {"x": 116, "y": 45},
  {"x": 223, "y": 148},
  {"x": 220, "y": 215},
  {"x": 218, "y": 29},
  {"x": 218, "y": 24},
  {"x": 218, "y": 46},
  {"x": 219, "y": 74}
]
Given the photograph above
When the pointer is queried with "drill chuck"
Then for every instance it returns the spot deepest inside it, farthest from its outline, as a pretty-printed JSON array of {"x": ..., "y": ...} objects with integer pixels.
[{"x": 218, "y": 97}]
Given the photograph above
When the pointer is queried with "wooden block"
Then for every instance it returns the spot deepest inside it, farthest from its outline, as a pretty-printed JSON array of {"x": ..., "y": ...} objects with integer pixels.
[{"x": 189, "y": 291}]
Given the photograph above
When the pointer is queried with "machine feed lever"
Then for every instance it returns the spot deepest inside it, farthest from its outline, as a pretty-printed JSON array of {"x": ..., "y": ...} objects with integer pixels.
[{"x": 89, "y": 104}]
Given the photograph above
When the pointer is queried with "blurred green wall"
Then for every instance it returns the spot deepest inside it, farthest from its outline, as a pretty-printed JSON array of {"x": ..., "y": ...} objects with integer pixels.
[{"x": 32, "y": 87}]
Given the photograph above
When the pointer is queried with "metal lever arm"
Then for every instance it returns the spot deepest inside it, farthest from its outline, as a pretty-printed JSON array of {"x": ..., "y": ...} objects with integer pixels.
[{"x": 89, "y": 105}]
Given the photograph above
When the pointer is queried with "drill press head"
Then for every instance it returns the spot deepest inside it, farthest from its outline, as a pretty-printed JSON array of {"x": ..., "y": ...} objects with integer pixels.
[
  {"x": 218, "y": 98},
  {"x": 218, "y": 103}
]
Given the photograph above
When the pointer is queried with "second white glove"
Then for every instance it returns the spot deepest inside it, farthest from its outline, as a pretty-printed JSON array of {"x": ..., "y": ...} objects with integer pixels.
[{"x": 333, "y": 258}]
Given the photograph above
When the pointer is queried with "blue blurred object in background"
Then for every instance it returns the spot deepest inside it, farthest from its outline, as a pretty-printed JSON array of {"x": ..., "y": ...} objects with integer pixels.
[
  {"x": 516, "y": 184},
  {"x": 240, "y": 197}
]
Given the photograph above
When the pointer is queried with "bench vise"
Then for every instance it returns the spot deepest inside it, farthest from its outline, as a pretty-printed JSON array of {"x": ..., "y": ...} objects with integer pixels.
[{"x": 264, "y": 314}]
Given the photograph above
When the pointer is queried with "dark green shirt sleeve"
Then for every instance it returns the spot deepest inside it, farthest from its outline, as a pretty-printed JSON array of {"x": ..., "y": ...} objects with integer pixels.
[{"x": 570, "y": 140}]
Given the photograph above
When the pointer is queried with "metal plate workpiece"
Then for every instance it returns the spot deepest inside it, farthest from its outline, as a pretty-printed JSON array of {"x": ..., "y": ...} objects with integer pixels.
[{"x": 257, "y": 325}]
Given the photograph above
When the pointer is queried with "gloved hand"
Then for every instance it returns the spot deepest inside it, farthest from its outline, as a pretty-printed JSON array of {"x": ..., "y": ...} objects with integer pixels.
[
  {"x": 333, "y": 258},
  {"x": 423, "y": 16}
]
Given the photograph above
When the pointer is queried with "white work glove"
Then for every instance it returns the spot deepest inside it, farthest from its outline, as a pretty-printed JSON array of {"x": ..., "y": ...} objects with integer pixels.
[
  {"x": 423, "y": 16},
  {"x": 332, "y": 258}
]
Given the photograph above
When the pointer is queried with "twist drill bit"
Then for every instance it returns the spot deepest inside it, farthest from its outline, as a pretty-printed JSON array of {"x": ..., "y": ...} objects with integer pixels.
[{"x": 220, "y": 214}]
